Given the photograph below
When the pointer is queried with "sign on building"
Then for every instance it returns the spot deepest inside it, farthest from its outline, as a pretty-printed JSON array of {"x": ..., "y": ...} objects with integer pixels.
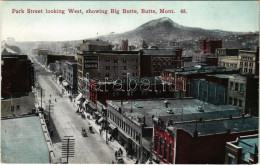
[{"x": 91, "y": 62}]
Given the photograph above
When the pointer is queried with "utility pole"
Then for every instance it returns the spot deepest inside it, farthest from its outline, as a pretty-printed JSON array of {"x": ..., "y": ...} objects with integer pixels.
[
  {"x": 41, "y": 98},
  {"x": 68, "y": 145}
]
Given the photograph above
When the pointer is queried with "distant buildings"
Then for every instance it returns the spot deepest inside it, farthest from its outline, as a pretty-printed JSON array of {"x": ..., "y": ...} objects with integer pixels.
[
  {"x": 246, "y": 61},
  {"x": 95, "y": 45},
  {"x": 209, "y": 46},
  {"x": 124, "y": 45},
  {"x": 244, "y": 150},
  {"x": 70, "y": 78},
  {"x": 50, "y": 59},
  {"x": 17, "y": 75}
]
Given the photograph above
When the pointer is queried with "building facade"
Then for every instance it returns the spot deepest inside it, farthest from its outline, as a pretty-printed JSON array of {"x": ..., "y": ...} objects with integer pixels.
[
  {"x": 69, "y": 74},
  {"x": 242, "y": 151},
  {"x": 209, "y": 46},
  {"x": 192, "y": 142},
  {"x": 17, "y": 75},
  {"x": 243, "y": 93}
]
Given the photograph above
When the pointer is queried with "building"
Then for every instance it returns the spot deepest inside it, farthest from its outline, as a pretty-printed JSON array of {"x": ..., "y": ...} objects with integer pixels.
[
  {"x": 202, "y": 58},
  {"x": 43, "y": 52},
  {"x": 200, "y": 141},
  {"x": 246, "y": 61},
  {"x": 211, "y": 89},
  {"x": 181, "y": 77},
  {"x": 226, "y": 52},
  {"x": 209, "y": 46},
  {"x": 48, "y": 59},
  {"x": 211, "y": 61},
  {"x": 25, "y": 139},
  {"x": 124, "y": 45},
  {"x": 95, "y": 45},
  {"x": 107, "y": 64},
  {"x": 70, "y": 78},
  {"x": 17, "y": 75},
  {"x": 131, "y": 121},
  {"x": 129, "y": 89},
  {"x": 154, "y": 60},
  {"x": 244, "y": 150},
  {"x": 243, "y": 93}
]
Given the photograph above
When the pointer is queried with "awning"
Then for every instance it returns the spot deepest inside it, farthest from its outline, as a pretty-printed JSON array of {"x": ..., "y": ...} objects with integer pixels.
[
  {"x": 78, "y": 97},
  {"x": 64, "y": 83},
  {"x": 112, "y": 126},
  {"x": 100, "y": 120},
  {"x": 97, "y": 113}
]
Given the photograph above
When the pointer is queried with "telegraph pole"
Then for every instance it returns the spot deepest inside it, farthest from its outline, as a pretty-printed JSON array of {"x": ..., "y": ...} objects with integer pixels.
[{"x": 41, "y": 98}]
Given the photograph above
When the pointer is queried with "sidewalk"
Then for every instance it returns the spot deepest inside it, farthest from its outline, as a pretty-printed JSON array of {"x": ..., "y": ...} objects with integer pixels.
[{"x": 113, "y": 144}]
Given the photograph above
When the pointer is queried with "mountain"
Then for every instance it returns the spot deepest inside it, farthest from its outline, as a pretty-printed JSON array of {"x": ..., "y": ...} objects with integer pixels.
[{"x": 164, "y": 29}]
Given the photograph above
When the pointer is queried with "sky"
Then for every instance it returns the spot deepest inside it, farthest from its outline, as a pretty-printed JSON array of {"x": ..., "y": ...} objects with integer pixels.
[{"x": 238, "y": 16}]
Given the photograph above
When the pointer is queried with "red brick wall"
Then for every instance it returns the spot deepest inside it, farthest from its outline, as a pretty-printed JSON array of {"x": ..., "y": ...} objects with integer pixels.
[
  {"x": 169, "y": 138},
  {"x": 203, "y": 149}
]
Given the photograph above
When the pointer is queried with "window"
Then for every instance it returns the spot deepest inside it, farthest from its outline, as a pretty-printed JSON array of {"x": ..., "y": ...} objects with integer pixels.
[
  {"x": 230, "y": 100},
  {"x": 235, "y": 102},
  {"x": 250, "y": 64},
  {"x": 124, "y": 67},
  {"x": 116, "y": 68},
  {"x": 107, "y": 60},
  {"x": 165, "y": 150},
  {"x": 250, "y": 70},
  {"x": 107, "y": 67},
  {"x": 107, "y": 75},
  {"x": 241, "y": 63},
  {"x": 245, "y": 69},
  {"x": 115, "y": 61},
  {"x": 241, "y": 88},
  {"x": 231, "y": 85},
  {"x": 240, "y": 103},
  {"x": 170, "y": 153},
  {"x": 161, "y": 146},
  {"x": 245, "y": 63},
  {"x": 124, "y": 60},
  {"x": 236, "y": 86},
  {"x": 133, "y": 74}
]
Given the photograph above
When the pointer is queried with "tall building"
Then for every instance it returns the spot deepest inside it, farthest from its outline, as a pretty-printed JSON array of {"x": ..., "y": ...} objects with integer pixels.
[
  {"x": 17, "y": 75},
  {"x": 209, "y": 46}
]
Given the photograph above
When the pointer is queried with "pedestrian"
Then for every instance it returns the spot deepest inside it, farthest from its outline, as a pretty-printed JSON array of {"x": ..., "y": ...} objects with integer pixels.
[
  {"x": 116, "y": 154},
  {"x": 121, "y": 151},
  {"x": 55, "y": 100},
  {"x": 113, "y": 162},
  {"x": 100, "y": 131}
]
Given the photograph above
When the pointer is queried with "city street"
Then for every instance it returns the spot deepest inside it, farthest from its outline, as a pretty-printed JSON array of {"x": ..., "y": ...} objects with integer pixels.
[{"x": 91, "y": 149}]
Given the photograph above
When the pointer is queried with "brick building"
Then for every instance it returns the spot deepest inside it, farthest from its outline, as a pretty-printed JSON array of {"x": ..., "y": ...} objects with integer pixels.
[
  {"x": 209, "y": 46},
  {"x": 181, "y": 77},
  {"x": 95, "y": 45},
  {"x": 124, "y": 45},
  {"x": 107, "y": 64},
  {"x": 153, "y": 61},
  {"x": 200, "y": 141},
  {"x": 17, "y": 75},
  {"x": 132, "y": 89}
]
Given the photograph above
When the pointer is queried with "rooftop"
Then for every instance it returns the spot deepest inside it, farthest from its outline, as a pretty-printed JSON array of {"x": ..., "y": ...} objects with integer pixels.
[
  {"x": 182, "y": 109},
  {"x": 222, "y": 76},
  {"x": 159, "y": 52},
  {"x": 218, "y": 126},
  {"x": 198, "y": 70},
  {"x": 26, "y": 103},
  {"x": 23, "y": 141}
]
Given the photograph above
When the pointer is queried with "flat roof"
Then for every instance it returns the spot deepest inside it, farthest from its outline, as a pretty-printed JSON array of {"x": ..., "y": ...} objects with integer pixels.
[
  {"x": 183, "y": 109},
  {"x": 159, "y": 52},
  {"x": 23, "y": 141},
  {"x": 218, "y": 126}
]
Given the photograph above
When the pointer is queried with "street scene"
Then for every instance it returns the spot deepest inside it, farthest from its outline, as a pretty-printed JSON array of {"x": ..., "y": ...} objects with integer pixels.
[{"x": 111, "y": 90}]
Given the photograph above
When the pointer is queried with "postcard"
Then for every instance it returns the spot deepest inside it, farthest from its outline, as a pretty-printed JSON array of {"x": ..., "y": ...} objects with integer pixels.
[{"x": 129, "y": 82}]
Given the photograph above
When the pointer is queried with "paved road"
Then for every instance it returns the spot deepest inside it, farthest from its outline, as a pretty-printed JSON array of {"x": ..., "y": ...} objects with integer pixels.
[{"x": 91, "y": 149}]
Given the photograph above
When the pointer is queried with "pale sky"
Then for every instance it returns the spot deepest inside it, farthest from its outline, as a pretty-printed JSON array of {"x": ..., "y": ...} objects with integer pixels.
[{"x": 236, "y": 16}]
